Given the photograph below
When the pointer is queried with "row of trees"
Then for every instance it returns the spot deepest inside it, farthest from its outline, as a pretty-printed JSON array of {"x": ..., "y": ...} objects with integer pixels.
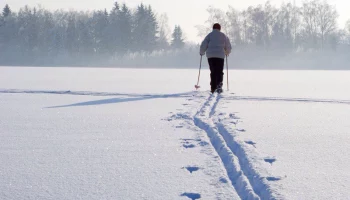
[
  {"x": 126, "y": 36},
  {"x": 313, "y": 26},
  {"x": 36, "y": 33}
]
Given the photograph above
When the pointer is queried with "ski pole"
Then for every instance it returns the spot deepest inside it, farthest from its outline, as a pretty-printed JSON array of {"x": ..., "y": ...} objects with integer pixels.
[
  {"x": 199, "y": 74},
  {"x": 227, "y": 73}
]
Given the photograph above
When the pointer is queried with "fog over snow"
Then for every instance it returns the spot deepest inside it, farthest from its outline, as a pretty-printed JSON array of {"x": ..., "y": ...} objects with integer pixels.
[
  {"x": 166, "y": 34},
  {"x": 187, "y": 13}
]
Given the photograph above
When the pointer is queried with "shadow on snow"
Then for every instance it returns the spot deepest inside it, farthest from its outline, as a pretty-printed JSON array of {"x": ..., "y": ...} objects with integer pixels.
[
  {"x": 122, "y": 100},
  {"x": 140, "y": 97}
]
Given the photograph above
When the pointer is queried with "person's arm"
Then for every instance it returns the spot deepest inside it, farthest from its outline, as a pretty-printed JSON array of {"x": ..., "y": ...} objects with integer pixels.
[
  {"x": 204, "y": 45},
  {"x": 228, "y": 47}
]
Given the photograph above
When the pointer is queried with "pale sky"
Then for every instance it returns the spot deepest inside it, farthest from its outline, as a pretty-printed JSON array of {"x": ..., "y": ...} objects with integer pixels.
[{"x": 186, "y": 13}]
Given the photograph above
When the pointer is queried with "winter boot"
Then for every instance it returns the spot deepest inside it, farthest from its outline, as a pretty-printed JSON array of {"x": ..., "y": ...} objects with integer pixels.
[{"x": 219, "y": 89}]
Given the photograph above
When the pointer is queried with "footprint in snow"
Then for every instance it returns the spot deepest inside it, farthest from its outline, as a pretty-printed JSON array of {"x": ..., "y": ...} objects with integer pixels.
[
  {"x": 192, "y": 196},
  {"x": 189, "y": 146},
  {"x": 223, "y": 180},
  {"x": 178, "y": 116},
  {"x": 233, "y": 116},
  {"x": 192, "y": 169},
  {"x": 251, "y": 143},
  {"x": 203, "y": 143},
  {"x": 186, "y": 140},
  {"x": 188, "y": 143},
  {"x": 270, "y": 160},
  {"x": 270, "y": 178},
  {"x": 179, "y": 126},
  {"x": 241, "y": 130}
]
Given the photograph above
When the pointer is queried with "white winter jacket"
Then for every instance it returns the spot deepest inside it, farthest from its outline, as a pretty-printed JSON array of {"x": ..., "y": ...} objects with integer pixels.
[{"x": 216, "y": 44}]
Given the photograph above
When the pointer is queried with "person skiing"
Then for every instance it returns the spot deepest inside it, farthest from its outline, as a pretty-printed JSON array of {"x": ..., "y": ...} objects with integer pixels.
[{"x": 216, "y": 45}]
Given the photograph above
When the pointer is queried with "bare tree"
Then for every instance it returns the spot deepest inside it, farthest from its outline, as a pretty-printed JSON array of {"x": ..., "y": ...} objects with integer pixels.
[
  {"x": 282, "y": 28},
  {"x": 215, "y": 16},
  {"x": 244, "y": 21},
  {"x": 270, "y": 15},
  {"x": 326, "y": 19},
  {"x": 234, "y": 27},
  {"x": 309, "y": 32},
  {"x": 286, "y": 26},
  {"x": 295, "y": 24},
  {"x": 164, "y": 31},
  {"x": 320, "y": 20},
  {"x": 260, "y": 24},
  {"x": 347, "y": 32}
]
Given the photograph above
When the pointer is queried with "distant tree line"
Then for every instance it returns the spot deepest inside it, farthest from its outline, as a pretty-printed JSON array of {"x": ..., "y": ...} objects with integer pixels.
[
  {"x": 310, "y": 27},
  {"x": 36, "y": 35},
  {"x": 263, "y": 36}
]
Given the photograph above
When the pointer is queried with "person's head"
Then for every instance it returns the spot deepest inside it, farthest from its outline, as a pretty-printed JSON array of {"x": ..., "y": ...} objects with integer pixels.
[{"x": 217, "y": 26}]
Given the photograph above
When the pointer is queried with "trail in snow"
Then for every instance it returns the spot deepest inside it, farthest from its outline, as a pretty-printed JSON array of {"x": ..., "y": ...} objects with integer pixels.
[
  {"x": 301, "y": 100},
  {"x": 247, "y": 182},
  {"x": 203, "y": 120},
  {"x": 244, "y": 178},
  {"x": 91, "y": 93}
]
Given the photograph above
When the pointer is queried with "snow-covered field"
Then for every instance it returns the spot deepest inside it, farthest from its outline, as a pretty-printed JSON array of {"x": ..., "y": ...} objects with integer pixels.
[{"x": 87, "y": 133}]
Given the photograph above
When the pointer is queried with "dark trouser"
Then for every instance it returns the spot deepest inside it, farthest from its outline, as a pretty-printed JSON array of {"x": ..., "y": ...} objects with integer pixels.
[{"x": 217, "y": 72}]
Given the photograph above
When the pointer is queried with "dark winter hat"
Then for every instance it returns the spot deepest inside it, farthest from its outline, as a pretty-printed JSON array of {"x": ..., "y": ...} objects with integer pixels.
[{"x": 217, "y": 26}]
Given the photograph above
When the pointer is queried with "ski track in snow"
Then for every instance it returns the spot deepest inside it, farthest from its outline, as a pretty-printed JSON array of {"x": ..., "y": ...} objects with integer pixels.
[
  {"x": 203, "y": 120},
  {"x": 245, "y": 179},
  {"x": 91, "y": 93},
  {"x": 247, "y": 182},
  {"x": 300, "y": 100}
]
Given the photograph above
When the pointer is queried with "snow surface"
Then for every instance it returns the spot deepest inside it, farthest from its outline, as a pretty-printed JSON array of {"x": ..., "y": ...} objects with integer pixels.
[{"x": 87, "y": 133}]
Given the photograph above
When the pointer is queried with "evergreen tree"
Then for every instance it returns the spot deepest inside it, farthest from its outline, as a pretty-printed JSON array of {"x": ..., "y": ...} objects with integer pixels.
[
  {"x": 177, "y": 41},
  {"x": 9, "y": 40},
  {"x": 139, "y": 24},
  {"x": 84, "y": 37},
  {"x": 6, "y": 11},
  {"x": 71, "y": 36},
  {"x": 28, "y": 31},
  {"x": 116, "y": 7},
  {"x": 152, "y": 29},
  {"x": 45, "y": 25},
  {"x": 145, "y": 29},
  {"x": 113, "y": 32},
  {"x": 125, "y": 26},
  {"x": 100, "y": 31}
]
